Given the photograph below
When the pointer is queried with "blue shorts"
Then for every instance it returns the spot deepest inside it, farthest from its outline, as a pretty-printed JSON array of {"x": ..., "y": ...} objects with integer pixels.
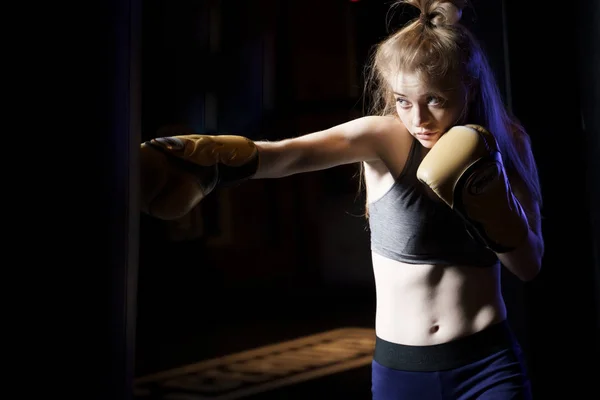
[{"x": 487, "y": 365}]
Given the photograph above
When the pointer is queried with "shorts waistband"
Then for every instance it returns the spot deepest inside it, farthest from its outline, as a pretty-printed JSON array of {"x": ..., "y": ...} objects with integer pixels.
[{"x": 444, "y": 356}]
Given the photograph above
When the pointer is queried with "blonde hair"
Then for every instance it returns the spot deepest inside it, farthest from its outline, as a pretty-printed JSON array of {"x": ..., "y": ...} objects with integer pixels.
[{"x": 435, "y": 46}]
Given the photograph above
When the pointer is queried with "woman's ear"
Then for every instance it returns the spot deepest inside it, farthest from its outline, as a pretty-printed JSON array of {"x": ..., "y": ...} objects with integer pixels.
[
  {"x": 469, "y": 96},
  {"x": 472, "y": 90}
]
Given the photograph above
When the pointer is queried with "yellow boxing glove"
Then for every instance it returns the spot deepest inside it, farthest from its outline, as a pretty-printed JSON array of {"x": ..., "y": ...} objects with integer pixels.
[
  {"x": 177, "y": 172},
  {"x": 465, "y": 169}
]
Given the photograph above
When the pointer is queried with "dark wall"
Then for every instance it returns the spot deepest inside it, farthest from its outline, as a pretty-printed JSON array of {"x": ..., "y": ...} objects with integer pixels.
[
  {"x": 554, "y": 85},
  {"x": 272, "y": 69},
  {"x": 271, "y": 75}
]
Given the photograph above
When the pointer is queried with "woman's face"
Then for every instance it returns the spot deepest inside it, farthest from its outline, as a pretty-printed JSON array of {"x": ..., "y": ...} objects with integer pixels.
[{"x": 428, "y": 109}]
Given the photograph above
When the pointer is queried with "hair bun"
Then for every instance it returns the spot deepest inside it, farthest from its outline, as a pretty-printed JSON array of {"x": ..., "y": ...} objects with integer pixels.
[
  {"x": 437, "y": 12},
  {"x": 446, "y": 13}
]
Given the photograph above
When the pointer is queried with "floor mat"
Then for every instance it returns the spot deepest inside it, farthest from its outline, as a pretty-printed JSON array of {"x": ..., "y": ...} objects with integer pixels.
[{"x": 263, "y": 369}]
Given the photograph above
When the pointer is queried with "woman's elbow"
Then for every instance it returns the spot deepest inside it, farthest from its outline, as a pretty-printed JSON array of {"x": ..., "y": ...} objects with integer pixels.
[
  {"x": 526, "y": 261},
  {"x": 533, "y": 267},
  {"x": 531, "y": 271}
]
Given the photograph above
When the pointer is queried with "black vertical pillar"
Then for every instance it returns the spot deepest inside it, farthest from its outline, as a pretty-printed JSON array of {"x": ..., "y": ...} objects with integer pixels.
[
  {"x": 121, "y": 159},
  {"x": 589, "y": 83}
]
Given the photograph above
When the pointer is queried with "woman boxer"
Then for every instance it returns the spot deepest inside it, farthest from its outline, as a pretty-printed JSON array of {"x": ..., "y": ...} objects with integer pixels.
[{"x": 452, "y": 196}]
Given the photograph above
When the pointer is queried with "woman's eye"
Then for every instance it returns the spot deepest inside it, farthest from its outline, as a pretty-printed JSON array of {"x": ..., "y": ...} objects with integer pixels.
[
  {"x": 435, "y": 101},
  {"x": 402, "y": 102}
]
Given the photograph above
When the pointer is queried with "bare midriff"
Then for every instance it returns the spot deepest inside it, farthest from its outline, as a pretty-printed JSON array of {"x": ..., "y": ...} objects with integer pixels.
[{"x": 423, "y": 304}]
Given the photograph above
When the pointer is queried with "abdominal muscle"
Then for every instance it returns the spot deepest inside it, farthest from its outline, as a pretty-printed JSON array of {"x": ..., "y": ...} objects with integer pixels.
[{"x": 422, "y": 305}]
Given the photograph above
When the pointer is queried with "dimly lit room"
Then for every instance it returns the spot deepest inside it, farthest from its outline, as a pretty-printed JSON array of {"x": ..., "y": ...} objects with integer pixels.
[{"x": 277, "y": 283}]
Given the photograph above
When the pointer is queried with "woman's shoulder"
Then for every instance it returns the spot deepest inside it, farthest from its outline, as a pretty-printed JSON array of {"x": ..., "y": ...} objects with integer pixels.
[
  {"x": 384, "y": 130},
  {"x": 379, "y": 130},
  {"x": 385, "y": 123},
  {"x": 394, "y": 144}
]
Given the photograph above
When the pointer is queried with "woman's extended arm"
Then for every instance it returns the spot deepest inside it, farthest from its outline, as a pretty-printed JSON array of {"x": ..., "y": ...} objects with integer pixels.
[
  {"x": 179, "y": 171},
  {"x": 362, "y": 139}
]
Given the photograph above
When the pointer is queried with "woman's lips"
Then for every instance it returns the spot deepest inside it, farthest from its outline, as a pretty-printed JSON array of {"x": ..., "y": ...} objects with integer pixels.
[{"x": 426, "y": 135}]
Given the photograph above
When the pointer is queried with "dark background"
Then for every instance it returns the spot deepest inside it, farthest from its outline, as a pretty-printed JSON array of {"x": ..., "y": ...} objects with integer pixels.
[{"x": 276, "y": 259}]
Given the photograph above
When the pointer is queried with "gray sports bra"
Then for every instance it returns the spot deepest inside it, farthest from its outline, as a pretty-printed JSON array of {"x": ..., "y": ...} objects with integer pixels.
[{"x": 408, "y": 225}]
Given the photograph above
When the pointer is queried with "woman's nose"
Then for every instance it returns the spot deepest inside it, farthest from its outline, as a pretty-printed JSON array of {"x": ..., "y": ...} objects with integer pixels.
[{"x": 419, "y": 116}]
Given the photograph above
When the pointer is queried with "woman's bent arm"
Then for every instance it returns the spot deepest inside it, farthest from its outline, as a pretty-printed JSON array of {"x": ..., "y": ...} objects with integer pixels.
[{"x": 526, "y": 260}]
